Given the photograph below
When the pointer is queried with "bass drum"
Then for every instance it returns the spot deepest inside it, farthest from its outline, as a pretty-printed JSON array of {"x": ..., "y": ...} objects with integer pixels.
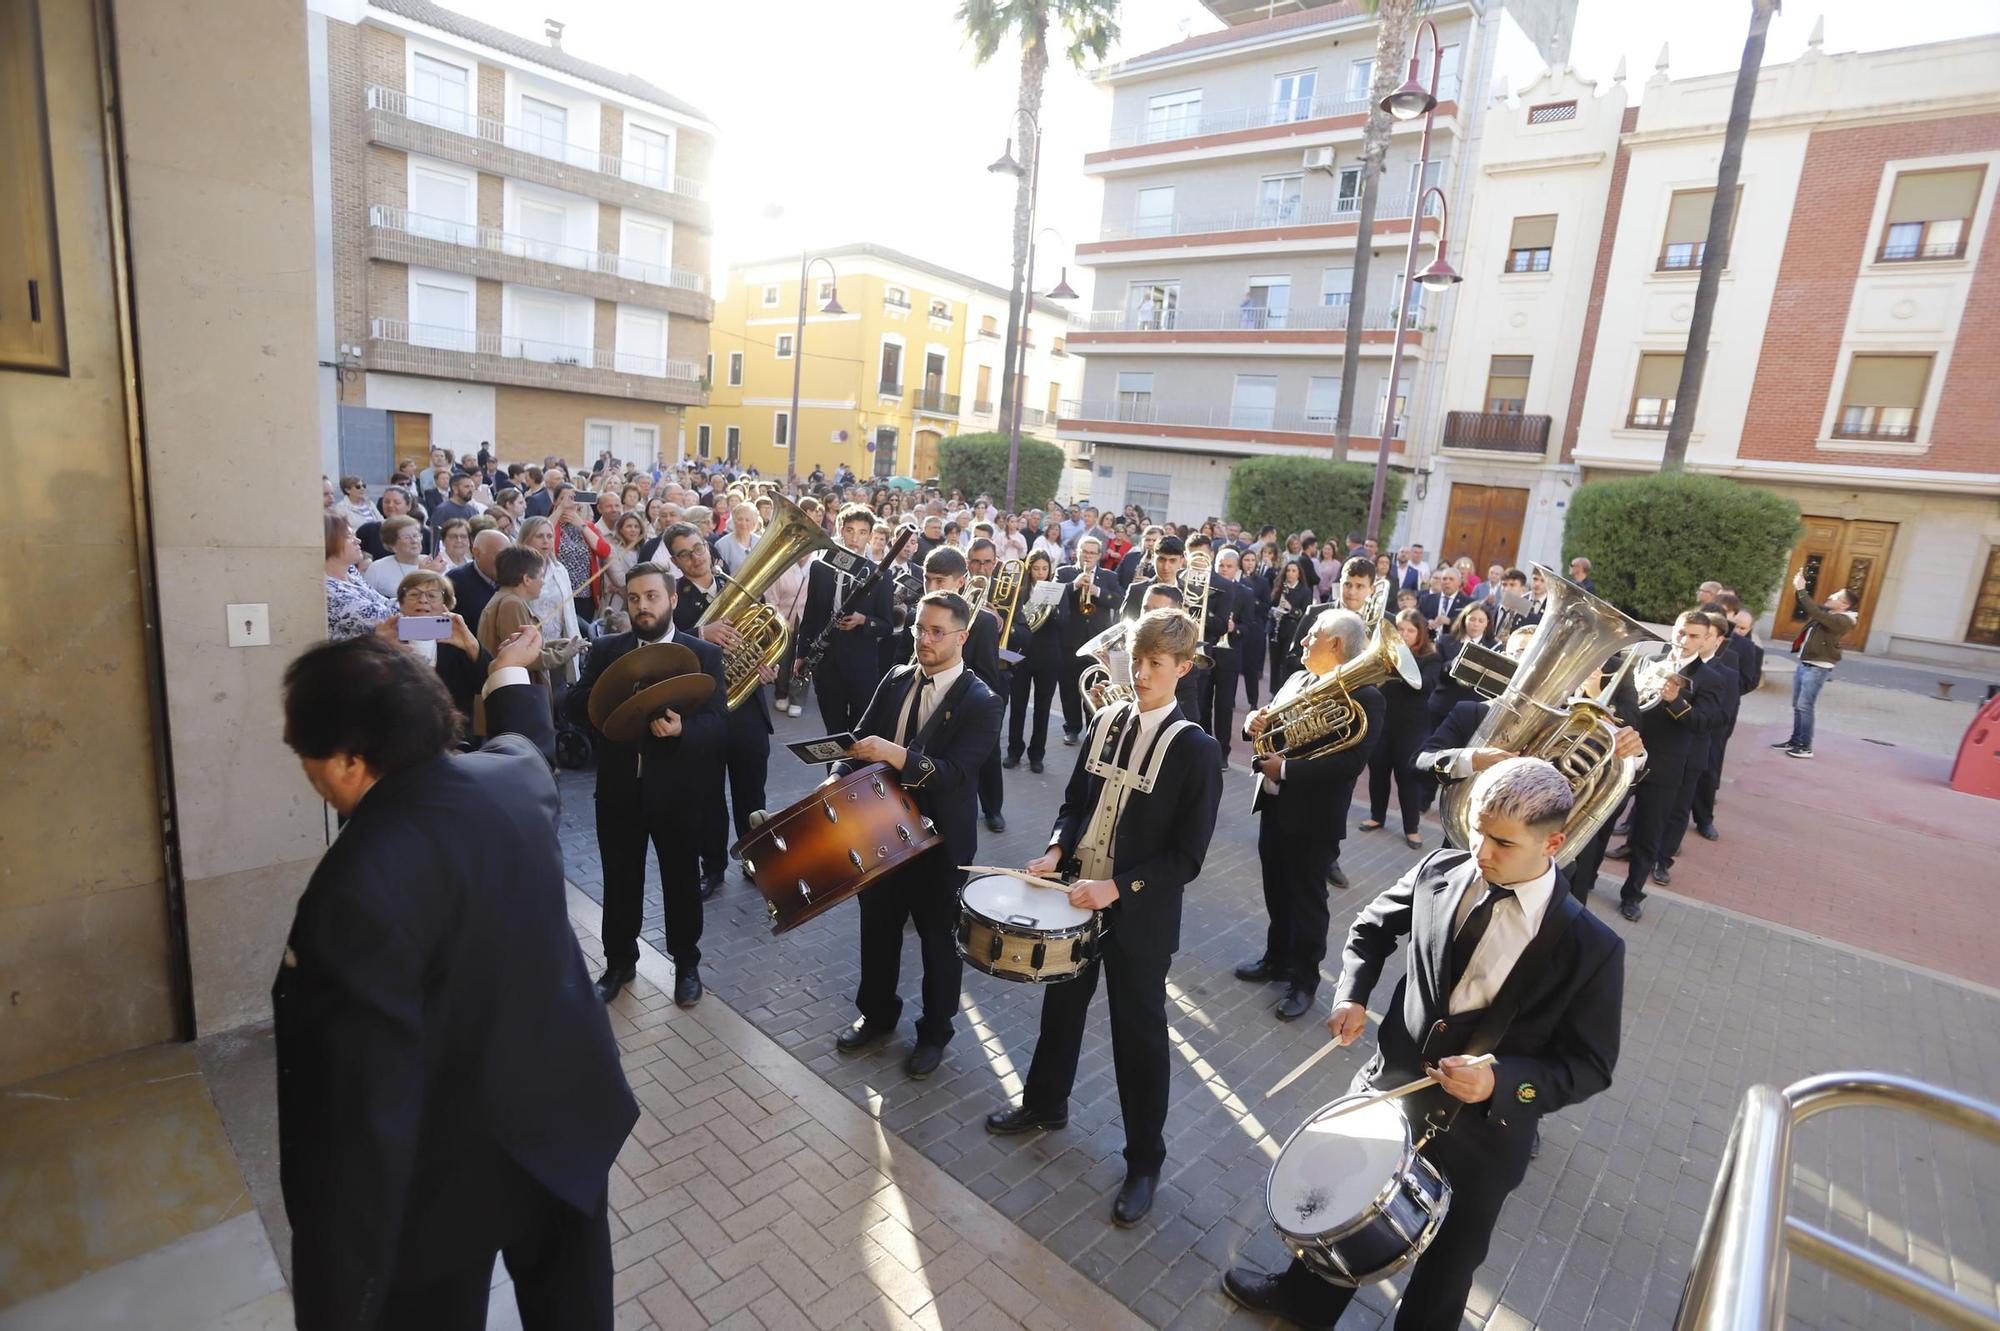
[
  {"x": 1016, "y": 931},
  {"x": 1352, "y": 1197},
  {"x": 812, "y": 856}
]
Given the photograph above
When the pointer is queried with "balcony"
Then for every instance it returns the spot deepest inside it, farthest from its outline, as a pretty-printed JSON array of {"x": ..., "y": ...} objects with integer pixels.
[
  {"x": 1681, "y": 257},
  {"x": 1307, "y": 325},
  {"x": 1034, "y": 417},
  {"x": 1274, "y": 115},
  {"x": 1342, "y": 215},
  {"x": 400, "y": 236},
  {"x": 993, "y": 333},
  {"x": 1139, "y": 414},
  {"x": 1650, "y": 420},
  {"x": 1497, "y": 432},
  {"x": 933, "y": 402},
  {"x": 493, "y": 358},
  {"x": 396, "y": 120},
  {"x": 1906, "y": 252},
  {"x": 890, "y": 388},
  {"x": 940, "y": 314}
]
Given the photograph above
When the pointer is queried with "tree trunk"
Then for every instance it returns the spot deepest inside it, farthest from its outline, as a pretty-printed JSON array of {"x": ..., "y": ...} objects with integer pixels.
[
  {"x": 1392, "y": 39},
  {"x": 1034, "y": 66},
  {"x": 1715, "y": 253}
]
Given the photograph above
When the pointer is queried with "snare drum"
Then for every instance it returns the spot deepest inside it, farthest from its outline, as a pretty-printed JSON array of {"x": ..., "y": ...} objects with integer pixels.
[
  {"x": 1017, "y": 931},
  {"x": 1352, "y": 1198}
]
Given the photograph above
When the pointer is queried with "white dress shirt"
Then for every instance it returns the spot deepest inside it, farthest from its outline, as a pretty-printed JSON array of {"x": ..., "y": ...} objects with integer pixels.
[
  {"x": 1507, "y": 935},
  {"x": 926, "y": 701}
]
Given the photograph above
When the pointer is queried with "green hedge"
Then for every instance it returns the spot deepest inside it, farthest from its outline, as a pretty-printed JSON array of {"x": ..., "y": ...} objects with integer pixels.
[
  {"x": 1299, "y": 494},
  {"x": 977, "y": 464},
  {"x": 1653, "y": 540}
]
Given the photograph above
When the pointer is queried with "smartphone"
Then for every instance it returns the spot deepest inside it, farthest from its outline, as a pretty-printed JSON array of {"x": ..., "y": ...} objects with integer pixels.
[
  {"x": 588, "y": 498},
  {"x": 424, "y": 628}
]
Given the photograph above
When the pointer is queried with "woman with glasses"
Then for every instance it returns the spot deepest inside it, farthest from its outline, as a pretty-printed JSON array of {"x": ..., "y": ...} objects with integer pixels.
[{"x": 461, "y": 662}]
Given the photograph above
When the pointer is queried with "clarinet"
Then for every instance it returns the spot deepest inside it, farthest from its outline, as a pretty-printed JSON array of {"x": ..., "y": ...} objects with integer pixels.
[{"x": 808, "y": 660}]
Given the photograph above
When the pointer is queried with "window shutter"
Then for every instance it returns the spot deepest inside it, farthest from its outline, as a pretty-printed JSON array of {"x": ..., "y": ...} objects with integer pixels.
[
  {"x": 1659, "y": 375},
  {"x": 1508, "y": 378},
  {"x": 1936, "y": 196},
  {"x": 1887, "y": 381},
  {"x": 1687, "y": 217},
  {"x": 1533, "y": 233}
]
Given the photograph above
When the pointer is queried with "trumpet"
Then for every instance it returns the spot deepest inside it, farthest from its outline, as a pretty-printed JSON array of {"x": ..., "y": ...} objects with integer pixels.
[
  {"x": 1651, "y": 676},
  {"x": 1086, "y": 589}
]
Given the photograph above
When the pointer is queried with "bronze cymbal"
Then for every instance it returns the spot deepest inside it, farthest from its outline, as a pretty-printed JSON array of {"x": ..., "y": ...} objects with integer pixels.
[
  {"x": 628, "y": 721},
  {"x": 634, "y": 671}
]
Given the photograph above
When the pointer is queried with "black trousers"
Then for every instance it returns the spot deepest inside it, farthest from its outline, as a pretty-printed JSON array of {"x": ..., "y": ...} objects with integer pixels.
[
  {"x": 844, "y": 690},
  {"x": 1706, "y": 786},
  {"x": 1678, "y": 816},
  {"x": 1281, "y": 651},
  {"x": 925, "y": 893},
  {"x": 1295, "y": 896},
  {"x": 1583, "y": 869},
  {"x": 1651, "y": 803},
  {"x": 1395, "y": 754},
  {"x": 1253, "y": 643},
  {"x": 1031, "y": 690},
  {"x": 1215, "y": 697},
  {"x": 1135, "y": 985},
  {"x": 623, "y": 829},
  {"x": 1072, "y": 667},
  {"x": 746, "y": 757}
]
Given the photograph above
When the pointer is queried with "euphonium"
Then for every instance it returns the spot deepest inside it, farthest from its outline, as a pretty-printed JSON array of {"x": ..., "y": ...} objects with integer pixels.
[
  {"x": 1542, "y": 714},
  {"x": 1322, "y": 717},
  {"x": 1006, "y": 595},
  {"x": 739, "y": 600},
  {"x": 1108, "y": 678}
]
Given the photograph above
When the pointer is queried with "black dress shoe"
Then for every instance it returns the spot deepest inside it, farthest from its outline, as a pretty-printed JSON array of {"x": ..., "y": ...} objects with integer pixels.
[
  {"x": 1294, "y": 1005},
  {"x": 1259, "y": 1292},
  {"x": 1334, "y": 877},
  {"x": 995, "y": 823},
  {"x": 1258, "y": 971},
  {"x": 1007, "y": 1122},
  {"x": 1630, "y": 910},
  {"x": 1069, "y": 738},
  {"x": 923, "y": 1061},
  {"x": 1707, "y": 832},
  {"x": 1035, "y": 766},
  {"x": 614, "y": 979},
  {"x": 1662, "y": 875},
  {"x": 1134, "y": 1199},
  {"x": 860, "y": 1035},
  {"x": 1618, "y": 853},
  {"x": 687, "y": 986},
  {"x": 1623, "y": 829},
  {"x": 1011, "y": 761},
  {"x": 711, "y": 883}
]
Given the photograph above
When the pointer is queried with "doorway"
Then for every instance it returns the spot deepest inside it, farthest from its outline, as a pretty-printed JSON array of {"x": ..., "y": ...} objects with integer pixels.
[
  {"x": 412, "y": 436},
  {"x": 885, "y": 451},
  {"x": 1484, "y": 521},
  {"x": 924, "y": 461},
  {"x": 1836, "y": 553}
]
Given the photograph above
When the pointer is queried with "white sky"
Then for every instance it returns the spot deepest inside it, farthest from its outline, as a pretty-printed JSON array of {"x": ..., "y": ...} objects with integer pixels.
[{"x": 869, "y": 122}]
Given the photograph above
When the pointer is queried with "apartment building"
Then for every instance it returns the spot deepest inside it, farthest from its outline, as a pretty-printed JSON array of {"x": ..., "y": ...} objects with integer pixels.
[
  {"x": 913, "y": 355},
  {"x": 514, "y": 242},
  {"x": 1225, "y": 261}
]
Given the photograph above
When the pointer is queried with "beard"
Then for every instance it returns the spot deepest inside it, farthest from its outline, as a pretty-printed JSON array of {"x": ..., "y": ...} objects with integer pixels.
[{"x": 649, "y": 626}]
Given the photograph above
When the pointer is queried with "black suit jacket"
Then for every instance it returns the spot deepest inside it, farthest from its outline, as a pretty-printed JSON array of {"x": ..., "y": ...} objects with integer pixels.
[
  {"x": 942, "y": 773},
  {"x": 678, "y": 777},
  {"x": 1451, "y": 735},
  {"x": 982, "y": 651},
  {"x": 472, "y": 591},
  {"x": 853, "y": 652},
  {"x": 1162, "y": 838},
  {"x": 435, "y": 1016},
  {"x": 1312, "y": 798},
  {"x": 1436, "y": 605},
  {"x": 690, "y": 604},
  {"x": 1128, "y": 565},
  {"x": 1078, "y": 627},
  {"x": 1562, "y": 1044},
  {"x": 1714, "y": 700}
]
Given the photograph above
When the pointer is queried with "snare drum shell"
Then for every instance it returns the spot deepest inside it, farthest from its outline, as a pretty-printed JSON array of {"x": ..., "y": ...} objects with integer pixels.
[
  {"x": 873, "y": 818},
  {"x": 1009, "y": 954},
  {"x": 1391, "y": 1232}
]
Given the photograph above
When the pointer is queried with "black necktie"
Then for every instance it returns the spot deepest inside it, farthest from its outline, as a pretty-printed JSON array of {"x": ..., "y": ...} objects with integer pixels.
[
  {"x": 915, "y": 722},
  {"x": 1466, "y": 941}
]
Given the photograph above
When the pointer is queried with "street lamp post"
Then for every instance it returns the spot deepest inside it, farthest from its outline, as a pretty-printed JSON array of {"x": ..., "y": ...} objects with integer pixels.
[
  {"x": 1015, "y": 361},
  {"x": 832, "y": 306},
  {"x": 1408, "y": 102}
]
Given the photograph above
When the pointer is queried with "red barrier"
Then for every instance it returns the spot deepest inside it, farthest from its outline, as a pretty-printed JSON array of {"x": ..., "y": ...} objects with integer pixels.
[{"x": 1977, "y": 771}]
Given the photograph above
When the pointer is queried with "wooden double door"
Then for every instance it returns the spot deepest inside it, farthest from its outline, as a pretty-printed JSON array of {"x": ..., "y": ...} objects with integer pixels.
[
  {"x": 1836, "y": 553},
  {"x": 1483, "y": 521}
]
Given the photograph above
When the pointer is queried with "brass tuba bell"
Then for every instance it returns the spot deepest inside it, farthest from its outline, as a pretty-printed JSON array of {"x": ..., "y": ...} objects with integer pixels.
[
  {"x": 1322, "y": 717},
  {"x": 739, "y": 600}
]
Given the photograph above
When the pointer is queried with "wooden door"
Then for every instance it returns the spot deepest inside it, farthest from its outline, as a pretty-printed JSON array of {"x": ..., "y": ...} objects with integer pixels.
[
  {"x": 413, "y": 436},
  {"x": 1836, "y": 553},
  {"x": 925, "y": 463},
  {"x": 1484, "y": 521}
]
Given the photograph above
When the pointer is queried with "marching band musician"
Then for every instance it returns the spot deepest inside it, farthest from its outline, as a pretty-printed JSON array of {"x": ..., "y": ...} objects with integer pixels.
[
  {"x": 906, "y": 588},
  {"x": 852, "y": 666},
  {"x": 933, "y": 722},
  {"x": 1169, "y": 558},
  {"x": 982, "y": 560},
  {"x": 1498, "y": 959},
  {"x": 1088, "y": 607},
  {"x": 1718, "y": 695},
  {"x": 1357, "y": 585},
  {"x": 1137, "y": 563},
  {"x": 1228, "y": 607},
  {"x": 1134, "y": 825},
  {"x": 747, "y": 748},
  {"x": 1298, "y": 841},
  {"x": 1038, "y": 638},
  {"x": 662, "y": 787}
]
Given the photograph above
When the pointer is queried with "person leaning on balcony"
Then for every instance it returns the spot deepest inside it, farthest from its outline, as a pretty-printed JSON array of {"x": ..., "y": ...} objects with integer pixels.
[{"x": 1818, "y": 650}]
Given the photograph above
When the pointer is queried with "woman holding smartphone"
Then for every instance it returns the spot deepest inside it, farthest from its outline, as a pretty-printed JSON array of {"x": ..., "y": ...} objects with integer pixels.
[{"x": 422, "y": 598}]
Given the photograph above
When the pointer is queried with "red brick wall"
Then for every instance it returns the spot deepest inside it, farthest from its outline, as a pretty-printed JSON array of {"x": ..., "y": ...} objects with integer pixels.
[
  {"x": 1824, "y": 249},
  {"x": 1614, "y": 202}
]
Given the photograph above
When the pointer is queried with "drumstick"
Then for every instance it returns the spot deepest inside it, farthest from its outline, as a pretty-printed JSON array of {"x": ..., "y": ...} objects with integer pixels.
[
  {"x": 1407, "y": 1088},
  {"x": 1016, "y": 873}
]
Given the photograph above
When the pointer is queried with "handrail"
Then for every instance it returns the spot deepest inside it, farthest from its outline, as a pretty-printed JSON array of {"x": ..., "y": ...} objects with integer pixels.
[
  {"x": 467, "y": 235},
  {"x": 1737, "y": 1282}
]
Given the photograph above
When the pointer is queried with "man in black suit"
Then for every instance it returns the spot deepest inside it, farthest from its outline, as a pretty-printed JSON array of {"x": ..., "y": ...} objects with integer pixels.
[
  {"x": 852, "y": 665},
  {"x": 1139, "y": 556},
  {"x": 1746, "y": 658},
  {"x": 1079, "y": 621},
  {"x": 1227, "y": 610},
  {"x": 1717, "y": 696},
  {"x": 664, "y": 787},
  {"x": 933, "y": 722},
  {"x": 982, "y": 653},
  {"x": 1133, "y": 828},
  {"x": 475, "y": 582},
  {"x": 1169, "y": 558},
  {"x": 448, "y": 1086},
  {"x": 1500, "y": 960},
  {"x": 746, "y": 752},
  {"x": 1440, "y": 606},
  {"x": 1304, "y": 807}
]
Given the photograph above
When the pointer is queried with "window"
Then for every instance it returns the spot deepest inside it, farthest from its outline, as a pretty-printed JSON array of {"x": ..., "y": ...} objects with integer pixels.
[
  {"x": 825, "y": 290},
  {"x": 1548, "y": 113},
  {"x": 941, "y": 310},
  {"x": 1322, "y": 399},
  {"x": 987, "y": 327},
  {"x": 1336, "y": 286},
  {"x": 982, "y": 395},
  {"x": 701, "y": 440},
  {"x": 1149, "y": 491},
  {"x": 784, "y": 346},
  {"x": 1507, "y": 384},
  {"x": 1433, "y": 173},
  {"x": 642, "y": 342},
  {"x": 438, "y": 93},
  {"x": 544, "y": 226},
  {"x": 1055, "y": 399},
  {"x": 1173, "y": 115},
  {"x": 1882, "y": 397},
  {"x": 736, "y": 369},
  {"x": 1153, "y": 212},
  {"x": 781, "y": 429},
  {"x": 1268, "y": 304},
  {"x": 1347, "y": 193},
  {"x": 1059, "y": 346},
  {"x": 648, "y": 156},
  {"x": 536, "y": 329},
  {"x": 1985, "y": 625},
  {"x": 645, "y": 442},
  {"x": 1254, "y": 406},
  {"x": 1687, "y": 229},
  {"x": 1416, "y": 303},
  {"x": 1152, "y": 305},
  {"x": 443, "y": 204},
  {"x": 771, "y": 296},
  {"x": 1653, "y": 391},
  {"x": 1278, "y": 199},
  {"x": 441, "y": 312},
  {"x": 1135, "y": 395},
  {"x": 1402, "y": 404},
  {"x": 708, "y": 368},
  {"x": 892, "y": 369},
  {"x": 1447, "y": 73},
  {"x": 1528, "y": 250},
  {"x": 732, "y": 442},
  {"x": 645, "y": 249},
  {"x": 1360, "y": 75},
  {"x": 599, "y": 438},
  {"x": 1292, "y": 99},
  {"x": 544, "y": 128},
  {"x": 896, "y": 297},
  {"x": 1930, "y": 213}
]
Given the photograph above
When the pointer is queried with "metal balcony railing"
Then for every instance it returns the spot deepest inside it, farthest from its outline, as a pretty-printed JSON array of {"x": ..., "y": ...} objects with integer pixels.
[
  {"x": 1257, "y": 115},
  {"x": 470, "y": 342},
  {"x": 890, "y": 388},
  {"x": 495, "y": 241},
  {"x": 1650, "y": 420},
  {"x": 1496, "y": 431},
  {"x": 1292, "y": 212},
  {"x": 936, "y": 402},
  {"x": 393, "y": 101},
  {"x": 1681, "y": 256},
  {"x": 1308, "y": 317},
  {"x": 941, "y": 314},
  {"x": 988, "y": 332},
  {"x": 1141, "y": 409},
  {"x": 1907, "y": 252},
  {"x": 1035, "y": 416}
]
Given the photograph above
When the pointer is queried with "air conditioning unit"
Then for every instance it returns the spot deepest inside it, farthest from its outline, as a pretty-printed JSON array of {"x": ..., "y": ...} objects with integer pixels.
[{"x": 1320, "y": 158}]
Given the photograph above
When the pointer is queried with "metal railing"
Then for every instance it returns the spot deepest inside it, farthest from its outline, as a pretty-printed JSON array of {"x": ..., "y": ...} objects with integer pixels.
[
  {"x": 1253, "y": 217},
  {"x": 936, "y": 402},
  {"x": 1681, "y": 256},
  {"x": 1906, "y": 253},
  {"x": 890, "y": 388},
  {"x": 1143, "y": 410},
  {"x": 492, "y": 240},
  {"x": 943, "y": 315},
  {"x": 1496, "y": 431},
  {"x": 1738, "y": 1278},
  {"x": 1382, "y": 316},
  {"x": 1650, "y": 420},
  {"x": 1035, "y": 416},
  {"x": 984, "y": 331},
  {"x": 471, "y": 342},
  {"x": 395, "y": 102},
  {"x": 1257, "y": 115}
]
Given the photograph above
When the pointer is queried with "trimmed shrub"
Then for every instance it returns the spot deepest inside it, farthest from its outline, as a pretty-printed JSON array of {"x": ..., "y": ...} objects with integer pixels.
[
  {"x": 1297, "y": 494},
  {"x": 977, "y": 464},
  {"x": 1652, "y": 540}
]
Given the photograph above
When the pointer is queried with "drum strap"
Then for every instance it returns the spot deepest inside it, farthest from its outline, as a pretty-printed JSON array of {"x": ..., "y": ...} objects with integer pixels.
[{"x": 1120, "y": 782}]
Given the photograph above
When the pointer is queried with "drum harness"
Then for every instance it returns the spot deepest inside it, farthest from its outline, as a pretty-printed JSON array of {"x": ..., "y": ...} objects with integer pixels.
[{"x": 1093, "y": 855}]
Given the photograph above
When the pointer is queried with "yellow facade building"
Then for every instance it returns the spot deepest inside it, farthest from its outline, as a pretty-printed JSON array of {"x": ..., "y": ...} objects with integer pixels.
[{"x": 913, "y": 357}]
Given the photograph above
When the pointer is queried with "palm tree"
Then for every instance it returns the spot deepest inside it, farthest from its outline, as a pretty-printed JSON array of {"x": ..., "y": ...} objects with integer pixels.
[
  {"x": 1091, "y": 26},
  {"x": 1715, "y": 252}
]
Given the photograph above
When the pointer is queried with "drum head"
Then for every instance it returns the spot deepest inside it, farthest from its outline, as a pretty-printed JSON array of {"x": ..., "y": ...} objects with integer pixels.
[
  {"x": 1001, "y": 899},
  {"x": 1332, "y": 1169}
]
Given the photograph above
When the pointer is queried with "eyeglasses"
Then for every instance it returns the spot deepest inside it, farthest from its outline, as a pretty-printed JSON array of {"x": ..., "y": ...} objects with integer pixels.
[
  {"x": 931, "y": 634},
  {"x": 426, "y": 595}
]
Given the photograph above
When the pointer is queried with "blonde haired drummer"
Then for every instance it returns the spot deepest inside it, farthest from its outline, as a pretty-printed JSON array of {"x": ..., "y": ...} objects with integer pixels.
[
  {"x": 1133, "y": 831},
  {"x": 1501, "y": 959}
]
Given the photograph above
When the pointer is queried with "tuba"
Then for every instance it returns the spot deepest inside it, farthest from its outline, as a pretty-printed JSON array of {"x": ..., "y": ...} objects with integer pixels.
[
  {"x": 1108, "y": 678},
  {"x": 1322, "y": 717},
  {"x": 1542, "y": 714},
  {"x": 739, "y": 600}
]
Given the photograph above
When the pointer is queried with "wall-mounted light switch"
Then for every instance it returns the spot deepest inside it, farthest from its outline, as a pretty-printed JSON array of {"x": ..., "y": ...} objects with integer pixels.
[{"x": 249, "y": 625}]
